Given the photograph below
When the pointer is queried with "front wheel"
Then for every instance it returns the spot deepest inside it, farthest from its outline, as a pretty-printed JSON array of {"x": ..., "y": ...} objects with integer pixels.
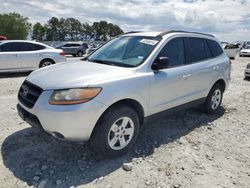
[
  {"x": 214, "y": 99},
  {"x": 116, "y": 132}
]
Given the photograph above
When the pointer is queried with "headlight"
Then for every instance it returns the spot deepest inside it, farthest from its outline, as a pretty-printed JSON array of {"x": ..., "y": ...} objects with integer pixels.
[{"x": 73, "y": 96}]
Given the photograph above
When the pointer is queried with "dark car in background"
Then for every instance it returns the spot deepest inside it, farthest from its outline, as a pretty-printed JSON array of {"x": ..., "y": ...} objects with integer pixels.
[{"x": 73, "y": 48}]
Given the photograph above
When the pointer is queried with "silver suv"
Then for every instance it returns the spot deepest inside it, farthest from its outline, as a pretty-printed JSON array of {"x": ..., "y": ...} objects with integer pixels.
[
  {"x": 73, "y": 48},
  {"x": 106, "y": 97}
]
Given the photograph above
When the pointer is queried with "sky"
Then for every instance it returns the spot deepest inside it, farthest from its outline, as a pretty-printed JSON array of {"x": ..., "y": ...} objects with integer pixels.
[{"x": 228, "y": 20}]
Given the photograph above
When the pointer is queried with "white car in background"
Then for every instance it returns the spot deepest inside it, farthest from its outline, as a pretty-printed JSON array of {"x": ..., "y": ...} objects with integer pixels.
[
  {"x": 20, "y": 55},
  {"x": 232, "y": 50},
  {"x": 245, "y": 51}
]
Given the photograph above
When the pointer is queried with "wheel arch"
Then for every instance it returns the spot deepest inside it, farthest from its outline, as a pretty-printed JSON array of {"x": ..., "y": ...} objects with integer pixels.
[
  {"x": 44, "y": 59},
  {"x": 131, "y": 103},
  {"x": 128, "y": 102},
  {"x": 222, "y": 82}
]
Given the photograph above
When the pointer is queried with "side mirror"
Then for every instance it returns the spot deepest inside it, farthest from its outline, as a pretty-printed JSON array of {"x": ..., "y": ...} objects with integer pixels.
[{"x": 161, "y": 63}]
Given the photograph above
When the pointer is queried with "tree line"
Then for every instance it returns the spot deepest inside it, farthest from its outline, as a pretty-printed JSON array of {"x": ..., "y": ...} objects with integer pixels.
[{"x": 15, "y": 26}]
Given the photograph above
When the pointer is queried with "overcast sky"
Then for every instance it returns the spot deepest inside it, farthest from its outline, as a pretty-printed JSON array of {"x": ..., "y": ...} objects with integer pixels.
[{"x": 229, "y": 20}]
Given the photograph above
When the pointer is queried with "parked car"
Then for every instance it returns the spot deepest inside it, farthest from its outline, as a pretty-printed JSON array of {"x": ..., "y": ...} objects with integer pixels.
[
  {"x": 3, "y": 38},
  {"x": 245, "y": 51},
  {"x": 73, "y": 48},
  {"x": 129, "y": 80},
  {"x": 91, "y": 49},
  {"x": 247, "y": 71},
  {"x": 232, "y": 50},
  {"x": 224, "y": 44},
  {"x": 18, "y": 55}
]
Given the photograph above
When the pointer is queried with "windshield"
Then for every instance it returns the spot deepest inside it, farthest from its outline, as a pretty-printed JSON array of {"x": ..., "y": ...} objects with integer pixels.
[
  {"x": 247, "y": 47},
  {"x": 128, "y": 51}
]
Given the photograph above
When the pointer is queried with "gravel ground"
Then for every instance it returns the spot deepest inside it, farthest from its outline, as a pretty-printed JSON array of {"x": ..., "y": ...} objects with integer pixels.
[{"x": 190, "y": 149}]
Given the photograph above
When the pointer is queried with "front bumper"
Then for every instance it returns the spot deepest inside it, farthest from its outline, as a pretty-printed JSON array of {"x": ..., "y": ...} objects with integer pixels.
[
  {"x": 70, "y": 122},
  {"x": 247, "y": 73}
]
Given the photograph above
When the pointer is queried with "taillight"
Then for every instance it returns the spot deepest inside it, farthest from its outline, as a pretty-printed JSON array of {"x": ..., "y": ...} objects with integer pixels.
[{"x": 62, "y": 54}]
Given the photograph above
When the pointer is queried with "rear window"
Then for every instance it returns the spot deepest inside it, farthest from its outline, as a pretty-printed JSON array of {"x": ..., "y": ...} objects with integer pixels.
[
  {"x": 215, "y": 48},
  {"x": 198, "y": 50}
]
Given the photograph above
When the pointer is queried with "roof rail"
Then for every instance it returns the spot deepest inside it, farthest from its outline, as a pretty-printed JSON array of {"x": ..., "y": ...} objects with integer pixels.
[
  {"x": 130, "y": 32},
  {"x": 179, "y": 31}
]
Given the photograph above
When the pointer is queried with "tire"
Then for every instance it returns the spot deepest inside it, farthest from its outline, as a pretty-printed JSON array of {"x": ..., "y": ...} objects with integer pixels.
[
  {"x": 79, "y": 53},
  {"x": 74, "y": 55},
  {"x": 105, "y": 140},
  {"x": 214, "y": 99},
  {"x": 46, "y": 62}
]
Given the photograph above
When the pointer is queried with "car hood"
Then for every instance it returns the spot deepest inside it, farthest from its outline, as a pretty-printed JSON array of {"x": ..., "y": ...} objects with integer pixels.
[
  {"x": 245, "y": 50},
  {"x": 76, "y": 74}
]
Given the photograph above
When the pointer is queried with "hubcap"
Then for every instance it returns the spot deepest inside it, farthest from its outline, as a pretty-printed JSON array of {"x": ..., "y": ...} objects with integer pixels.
[
  {"x": 216, "y": 98},
  {"x": 46, "y": 63},
  {"x": 121, "y": 133},
  {"x": 80, "y": 54}
]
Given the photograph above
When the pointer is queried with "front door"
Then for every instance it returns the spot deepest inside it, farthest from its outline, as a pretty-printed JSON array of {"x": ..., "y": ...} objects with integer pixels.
[
  {"x": 170, "y": 87},
  {"x": 8, "y": 57}
]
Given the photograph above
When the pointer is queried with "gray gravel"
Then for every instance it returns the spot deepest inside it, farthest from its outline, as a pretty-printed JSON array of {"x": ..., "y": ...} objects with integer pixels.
[{"x": 189, "y": 149}]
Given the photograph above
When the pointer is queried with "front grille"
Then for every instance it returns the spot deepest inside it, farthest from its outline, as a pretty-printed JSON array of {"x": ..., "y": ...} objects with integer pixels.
[{"x": 28, "y": 94}]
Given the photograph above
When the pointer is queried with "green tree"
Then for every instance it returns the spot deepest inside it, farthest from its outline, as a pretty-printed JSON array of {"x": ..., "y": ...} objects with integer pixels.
[
  {"x": 52, "y": 29},
  {"x": 87, "y": 30},
  {"x": 73, "y": 28},
  {"x": 38, "y": 32},
  {"x": 14, "y": 26},
  {"x": 103, "y": 29}
]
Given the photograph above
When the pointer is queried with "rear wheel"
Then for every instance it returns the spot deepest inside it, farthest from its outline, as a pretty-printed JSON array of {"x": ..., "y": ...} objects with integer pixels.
[
  {"x": 116, "y": 132},
  {"x": 80, "y": 54},
  {"x": 46, "y": 62},
  {"x": 214, "y": 99}
]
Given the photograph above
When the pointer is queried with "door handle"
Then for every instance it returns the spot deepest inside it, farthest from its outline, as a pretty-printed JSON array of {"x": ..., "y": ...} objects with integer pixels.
[
  {"x": 186, "y": 76},
  {"x": 215, "y": 67}
]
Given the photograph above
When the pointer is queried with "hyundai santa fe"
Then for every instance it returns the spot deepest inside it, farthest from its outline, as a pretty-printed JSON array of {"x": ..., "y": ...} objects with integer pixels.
[{"x": 107, "y": 96}]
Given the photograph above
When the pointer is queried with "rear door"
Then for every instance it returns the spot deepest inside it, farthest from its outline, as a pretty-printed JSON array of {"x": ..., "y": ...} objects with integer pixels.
[
  {"x": 30, "y": 55},
  {"x": 202, "y": 67},
  {"x": 67, "y": 48},
  {"x": 74, "y": 48},
  {"x": 8, "y": 57}
]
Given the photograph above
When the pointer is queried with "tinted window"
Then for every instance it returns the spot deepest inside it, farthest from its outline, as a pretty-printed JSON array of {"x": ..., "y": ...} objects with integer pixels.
[
  {"x": 67, "y": 45},
  {"x": 215, "y": 48},
  {"x": 197, "y": 50},
  {"x": 174, "y": 50},
  {"x": 11, "y": 47},
  {"x": 34, "y": 47},
  {"x": 20, "y": 47}
]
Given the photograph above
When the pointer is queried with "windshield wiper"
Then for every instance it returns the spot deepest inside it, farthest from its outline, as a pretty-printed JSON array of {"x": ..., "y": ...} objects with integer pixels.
[
  {"x": 110, "y": 63},
  {"x": 100, "y": 61}
]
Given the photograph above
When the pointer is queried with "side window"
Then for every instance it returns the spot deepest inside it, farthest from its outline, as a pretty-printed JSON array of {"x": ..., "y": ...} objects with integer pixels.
[
  {"x": 11, "y": 47},
  {"x": 197, "y": 50},
  {"x": 67, "y": 45},
  {"x": 174, "y": 50},
  {"x": 215, "y": 48},
  {"x": 34, "y": 47}
]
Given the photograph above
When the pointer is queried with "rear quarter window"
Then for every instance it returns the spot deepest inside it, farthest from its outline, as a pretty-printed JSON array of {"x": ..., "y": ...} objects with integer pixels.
[{"x": 215, "y": 48}]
